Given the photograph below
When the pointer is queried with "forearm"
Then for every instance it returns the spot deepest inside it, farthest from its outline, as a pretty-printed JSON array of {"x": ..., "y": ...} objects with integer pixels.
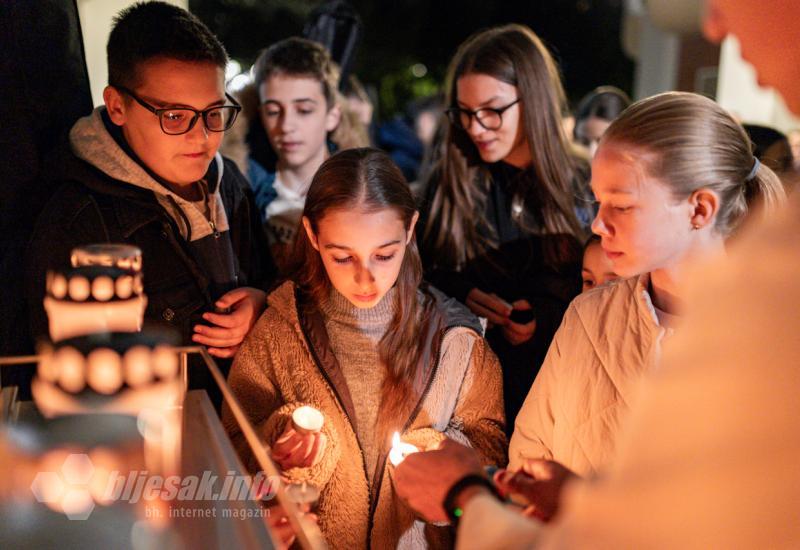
[{"x": 488, "y": 523}]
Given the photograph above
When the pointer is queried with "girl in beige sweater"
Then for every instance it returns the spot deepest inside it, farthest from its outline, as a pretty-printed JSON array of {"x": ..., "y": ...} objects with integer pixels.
[{"x": 355, "y": 334}]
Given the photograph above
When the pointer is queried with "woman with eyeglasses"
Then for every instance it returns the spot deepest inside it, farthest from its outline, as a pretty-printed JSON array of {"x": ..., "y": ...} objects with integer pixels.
[{"x": 502, "y": 227}]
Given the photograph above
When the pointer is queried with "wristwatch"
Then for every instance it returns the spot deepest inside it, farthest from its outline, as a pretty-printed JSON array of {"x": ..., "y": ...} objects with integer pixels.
[{"x": 449, "y": 504}]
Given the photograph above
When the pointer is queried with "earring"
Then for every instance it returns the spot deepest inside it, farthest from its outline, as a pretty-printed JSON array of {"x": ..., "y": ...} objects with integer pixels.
[{"x": 695, "y": 227}]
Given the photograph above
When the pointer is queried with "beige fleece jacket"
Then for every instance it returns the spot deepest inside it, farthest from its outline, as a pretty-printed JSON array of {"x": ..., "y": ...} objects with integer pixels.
[{"x": 276, "y": 370}]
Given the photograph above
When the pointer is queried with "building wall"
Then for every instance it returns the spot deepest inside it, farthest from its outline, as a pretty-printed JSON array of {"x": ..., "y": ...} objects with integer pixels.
[
  {"x": 96, "y": 17},
  {"x": 739, "y": 92}
]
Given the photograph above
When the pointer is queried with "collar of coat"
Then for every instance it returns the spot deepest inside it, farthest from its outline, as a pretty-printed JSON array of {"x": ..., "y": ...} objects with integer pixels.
[{"x": 446, "y": 313}]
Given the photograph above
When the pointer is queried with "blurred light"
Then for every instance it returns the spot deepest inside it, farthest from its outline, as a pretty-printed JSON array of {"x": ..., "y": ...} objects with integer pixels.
[
  {"x": 419, "y": 70},
  {"x": 232, "y": 69},
  {"x": 238, "y": 82}
]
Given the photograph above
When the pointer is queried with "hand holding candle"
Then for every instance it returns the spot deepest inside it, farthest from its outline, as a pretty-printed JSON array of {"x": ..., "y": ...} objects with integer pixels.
[
  {"x": 400, "y": 450},
  {"x": 302, "y": 443}
]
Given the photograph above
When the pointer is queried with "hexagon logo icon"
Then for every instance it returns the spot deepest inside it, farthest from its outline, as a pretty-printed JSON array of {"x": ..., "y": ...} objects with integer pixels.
[{"x": 67, "y": 490}]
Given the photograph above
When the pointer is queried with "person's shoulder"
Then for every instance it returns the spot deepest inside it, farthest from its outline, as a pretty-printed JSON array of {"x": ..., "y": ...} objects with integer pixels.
[
  {"x": 605, "y": 299},
  {"x": 234, "y": 186},
  {"x": 73, "y": 193},
  {"x": 231, "y": 175},
  {"x": 453, "y": 313}
]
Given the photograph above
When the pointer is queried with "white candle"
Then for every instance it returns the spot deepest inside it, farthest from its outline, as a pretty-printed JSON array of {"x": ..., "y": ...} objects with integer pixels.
[
  {"x": 307, "y": 420},
  {"x": 302, "y": 493},
  {"x": 400, "y": 450}
]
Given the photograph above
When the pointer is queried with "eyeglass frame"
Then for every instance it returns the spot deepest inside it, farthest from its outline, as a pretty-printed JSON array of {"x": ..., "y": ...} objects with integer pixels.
[
  {"x": 474, "y": 114},
  {"x": 197, "y": 114}
]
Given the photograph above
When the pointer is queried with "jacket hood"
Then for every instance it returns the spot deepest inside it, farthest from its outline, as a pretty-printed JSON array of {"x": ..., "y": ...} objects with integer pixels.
[{"x": 91, "y": 142}]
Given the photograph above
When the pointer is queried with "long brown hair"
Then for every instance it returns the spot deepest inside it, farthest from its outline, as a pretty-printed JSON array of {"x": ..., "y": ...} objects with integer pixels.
[
  {"x": 690, "y": 142},
  {"x": 366, "y": 180},
  {"x": 515, "y": 55}
]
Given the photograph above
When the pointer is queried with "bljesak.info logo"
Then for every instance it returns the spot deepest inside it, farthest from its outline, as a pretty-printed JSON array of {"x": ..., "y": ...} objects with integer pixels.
[{"x": 79, "y": 485}]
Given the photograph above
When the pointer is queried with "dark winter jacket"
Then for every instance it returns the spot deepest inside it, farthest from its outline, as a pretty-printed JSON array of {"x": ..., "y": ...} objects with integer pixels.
[{"x": 107, "y": 197}]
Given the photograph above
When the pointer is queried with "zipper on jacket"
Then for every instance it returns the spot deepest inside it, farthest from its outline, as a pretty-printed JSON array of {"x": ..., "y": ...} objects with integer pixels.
[
  {"x": 332, "y": 386},
  {"x": 214, "y": 228}
]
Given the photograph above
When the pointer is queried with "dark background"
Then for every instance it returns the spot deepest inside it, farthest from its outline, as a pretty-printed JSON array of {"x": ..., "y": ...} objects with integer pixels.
[{"x": 583, "y": 35}]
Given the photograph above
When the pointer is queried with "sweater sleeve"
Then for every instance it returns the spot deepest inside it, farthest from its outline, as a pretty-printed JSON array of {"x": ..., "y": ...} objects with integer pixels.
[
  {"x": 533, "y": 429},
  {"x": 479, "y": 416}
]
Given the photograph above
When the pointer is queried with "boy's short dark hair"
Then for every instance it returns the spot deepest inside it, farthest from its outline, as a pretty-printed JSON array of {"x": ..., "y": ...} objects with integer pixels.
[
  {"x": 147, "y": 30},
  {"x": 299, "y": 57}
]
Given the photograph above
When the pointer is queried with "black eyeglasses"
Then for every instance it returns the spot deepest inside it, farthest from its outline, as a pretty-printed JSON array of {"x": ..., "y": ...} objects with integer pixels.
[
  {"x": 179, "y": 120},
  {"x": 489, "y": 117}
]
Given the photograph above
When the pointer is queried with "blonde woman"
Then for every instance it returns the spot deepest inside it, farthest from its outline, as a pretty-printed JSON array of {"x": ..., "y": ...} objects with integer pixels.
[{"x": 674, "y": 176}]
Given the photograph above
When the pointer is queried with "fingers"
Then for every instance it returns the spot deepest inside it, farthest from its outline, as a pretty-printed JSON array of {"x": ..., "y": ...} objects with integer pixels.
[
  {"x": 234, "y": 319},
  {"x": 490, "y": 301},
  {"x": 287, "y": 434},
  {"x": 493, "y": 302},
  {"x": 293, "y": 450},
  {"x": 539, "y": 468},
  {"x": 233, "y": 296},
  {"x": 498, "y": 304},
  {"x": 525, "y": 330},
  {"x": 522, "y": 305},
  {"x": 317, "y": 449},
  {"x": 482, "y": 311},
  {"x": 224, "y": 341},
  {"x": 280, "y": 527},
  {"x": 517, "y": 334},
  {"x": 224, "y": 353},
  {"x": 221, "y": 333}
]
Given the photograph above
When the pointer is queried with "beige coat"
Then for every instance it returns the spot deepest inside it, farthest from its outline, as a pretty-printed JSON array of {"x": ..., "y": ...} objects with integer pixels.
[
  {"x": 286, "y": 362},
  {"x": 608, "y": 339}
]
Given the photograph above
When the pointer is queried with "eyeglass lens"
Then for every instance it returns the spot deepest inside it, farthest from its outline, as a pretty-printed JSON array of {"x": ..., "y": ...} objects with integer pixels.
[
  {"x": 491, "y": 120},
  {"x": 179, "y": 121}
]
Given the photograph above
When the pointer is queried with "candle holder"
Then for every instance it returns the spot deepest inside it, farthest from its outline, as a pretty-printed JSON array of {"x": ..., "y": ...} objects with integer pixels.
[
  {"x": 108, "y": 372},
  {"x": 122, "y": 256},
  {"x": 305, "y": 495},
  {"x": 89, "y": 299}
]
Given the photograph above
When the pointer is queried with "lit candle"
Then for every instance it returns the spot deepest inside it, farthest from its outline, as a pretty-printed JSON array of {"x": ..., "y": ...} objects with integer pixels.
[
  {"x": 400, "y": 450},
  {"x": 307, "y": 420}
]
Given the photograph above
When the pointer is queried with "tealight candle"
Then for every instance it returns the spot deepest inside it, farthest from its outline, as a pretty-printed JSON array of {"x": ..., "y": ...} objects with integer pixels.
[
  {"x": 400, "y": 450},
  {"x": 307, "y": 420},
  {"x": 302, "y": 493}
]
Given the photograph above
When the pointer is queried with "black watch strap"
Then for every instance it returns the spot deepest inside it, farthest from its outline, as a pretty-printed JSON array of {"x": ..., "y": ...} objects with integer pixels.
[{"x": 454, "y": 512}]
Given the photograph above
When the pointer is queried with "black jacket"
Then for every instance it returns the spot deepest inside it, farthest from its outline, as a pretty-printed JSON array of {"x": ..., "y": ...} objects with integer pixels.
[
  {"x": 518, "y": 267},
  {"x": 91, "y": 207}
]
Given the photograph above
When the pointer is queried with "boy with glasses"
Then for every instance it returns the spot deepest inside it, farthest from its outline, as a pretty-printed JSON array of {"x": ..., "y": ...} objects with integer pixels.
[{"x": 144, "y": 170}]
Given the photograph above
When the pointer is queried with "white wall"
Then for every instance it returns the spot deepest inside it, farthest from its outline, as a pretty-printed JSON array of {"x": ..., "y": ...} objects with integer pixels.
[
  {"x": 96, "y": 16},
  {"x": 739, "y": 92}
]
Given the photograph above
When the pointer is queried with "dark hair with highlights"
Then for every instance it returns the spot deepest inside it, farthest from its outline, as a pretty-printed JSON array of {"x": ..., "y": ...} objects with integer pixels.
[{"x": 149, "y": 30}]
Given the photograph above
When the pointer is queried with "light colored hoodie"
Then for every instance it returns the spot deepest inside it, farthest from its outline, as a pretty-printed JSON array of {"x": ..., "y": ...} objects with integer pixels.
[{"x": 90, "y": 141}]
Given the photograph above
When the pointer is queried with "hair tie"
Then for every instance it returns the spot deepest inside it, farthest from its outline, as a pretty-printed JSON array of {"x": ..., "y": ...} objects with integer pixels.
[{"x": 753, "y": 170}]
